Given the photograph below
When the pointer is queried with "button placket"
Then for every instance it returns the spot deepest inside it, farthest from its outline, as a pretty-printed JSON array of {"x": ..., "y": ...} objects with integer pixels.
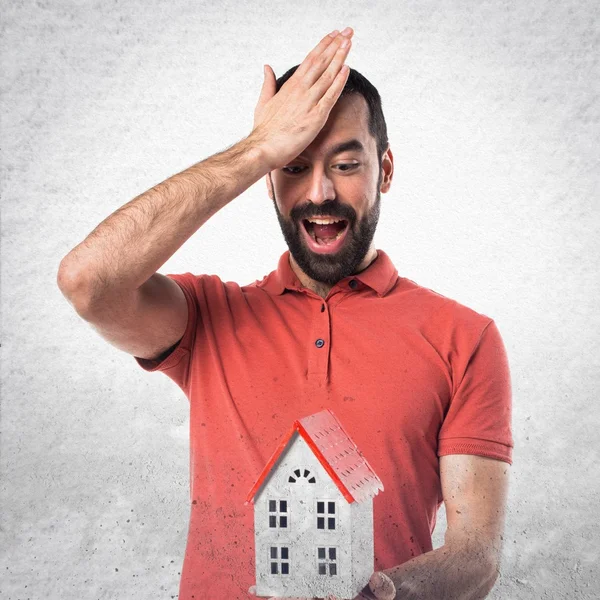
[{"x": 319, "y": 340}]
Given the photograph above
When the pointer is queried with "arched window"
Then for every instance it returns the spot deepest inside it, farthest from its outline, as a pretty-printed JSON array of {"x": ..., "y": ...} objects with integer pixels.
[{"x": 299, "y": 474}]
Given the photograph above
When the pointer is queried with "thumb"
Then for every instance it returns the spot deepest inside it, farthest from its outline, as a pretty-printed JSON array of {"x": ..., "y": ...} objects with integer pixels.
[
  {"x": 269, "y": 86},
  {"x": 382, "y": 586}
]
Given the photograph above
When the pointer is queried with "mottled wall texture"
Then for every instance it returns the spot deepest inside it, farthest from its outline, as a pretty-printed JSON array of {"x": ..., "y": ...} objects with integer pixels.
[{"x": 493, "y": 117}]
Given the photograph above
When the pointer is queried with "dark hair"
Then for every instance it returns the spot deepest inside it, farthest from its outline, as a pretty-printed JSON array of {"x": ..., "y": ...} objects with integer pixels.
[{"x": 359, "y": 84}]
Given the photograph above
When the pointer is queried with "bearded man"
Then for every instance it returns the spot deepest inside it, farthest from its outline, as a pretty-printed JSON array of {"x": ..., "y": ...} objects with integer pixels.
[{"x": 420, "y": 382}]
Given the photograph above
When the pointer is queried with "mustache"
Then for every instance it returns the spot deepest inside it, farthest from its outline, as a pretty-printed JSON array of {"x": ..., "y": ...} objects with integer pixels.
[{"x": 333, "y": 209}]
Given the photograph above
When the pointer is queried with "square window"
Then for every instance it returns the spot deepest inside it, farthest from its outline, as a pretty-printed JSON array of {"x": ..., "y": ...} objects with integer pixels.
[
  {"x": 272, "y": 521},
  {"x": 331, "y": 523},
  {"x": 282, "y": 521},
  {"x": 320, "y": 523},
  {"x": 273, "y": 551},
  {"x": 274, "y": 568},
  {"x": 331, "y": 508},
  {"x": 284, "y": 553},
  {"x": 320, "y": 507},
  {"x": 285, "y": 568},
  {"x": 321, "y": 552},
  {"x": 331, "y": 553},
  {"x": 283, "y": 506},
  {"x": 272, "y": 505},
  {"x": 332, "y": 569},
  {"x": 322, "y": 569}
]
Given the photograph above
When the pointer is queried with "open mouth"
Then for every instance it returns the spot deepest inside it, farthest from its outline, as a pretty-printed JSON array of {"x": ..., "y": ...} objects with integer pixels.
[{"x": 325, "y": 231}]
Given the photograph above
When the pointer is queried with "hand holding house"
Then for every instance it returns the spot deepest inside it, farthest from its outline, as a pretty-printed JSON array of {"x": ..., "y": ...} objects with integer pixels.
[{"x": 313, "y": 515}]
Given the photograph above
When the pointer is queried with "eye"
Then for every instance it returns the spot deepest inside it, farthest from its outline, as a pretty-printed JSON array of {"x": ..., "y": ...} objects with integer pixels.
[
  {"x": 290, "y": 170},
  {"x": 296, "y": 169},
  {"x": 349, "y": 165}
]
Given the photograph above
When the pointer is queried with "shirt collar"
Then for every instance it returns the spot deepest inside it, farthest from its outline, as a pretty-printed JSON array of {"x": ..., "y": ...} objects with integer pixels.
[{"x": 381, "y": 275}]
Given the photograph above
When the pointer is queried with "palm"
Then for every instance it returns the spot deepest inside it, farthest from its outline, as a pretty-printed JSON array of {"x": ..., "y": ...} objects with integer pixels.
[{"x": 383, "y": 591}]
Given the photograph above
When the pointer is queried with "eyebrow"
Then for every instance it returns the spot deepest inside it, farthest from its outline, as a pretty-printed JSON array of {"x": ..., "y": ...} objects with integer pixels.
[{"x": 350, "y": 145}]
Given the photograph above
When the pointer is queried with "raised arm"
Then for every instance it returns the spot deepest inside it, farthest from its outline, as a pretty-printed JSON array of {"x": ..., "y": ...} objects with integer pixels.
[{"x": 111, "y": 277}]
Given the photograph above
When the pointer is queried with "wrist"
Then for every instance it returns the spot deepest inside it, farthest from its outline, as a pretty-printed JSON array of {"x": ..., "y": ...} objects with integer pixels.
[{"x": 260, "y": 153}]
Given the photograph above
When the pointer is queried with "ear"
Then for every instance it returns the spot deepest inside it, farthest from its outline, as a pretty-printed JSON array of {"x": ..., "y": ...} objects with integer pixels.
[
  {"x": 387, "y": 164},
  {"x": 269, "y": 185}
]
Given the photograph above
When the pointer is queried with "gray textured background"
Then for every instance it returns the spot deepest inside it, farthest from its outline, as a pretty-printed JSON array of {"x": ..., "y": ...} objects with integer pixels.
[{"x": 493, "y": 115}]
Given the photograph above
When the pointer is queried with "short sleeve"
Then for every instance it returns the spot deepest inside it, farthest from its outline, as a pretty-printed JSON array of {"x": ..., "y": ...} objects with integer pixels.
[
  {"x": 478, "y": 420},
  {"x": 177, "y": 364}
]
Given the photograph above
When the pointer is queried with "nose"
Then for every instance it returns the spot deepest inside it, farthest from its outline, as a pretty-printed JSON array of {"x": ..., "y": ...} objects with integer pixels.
[{"x": 321, "y": 188}]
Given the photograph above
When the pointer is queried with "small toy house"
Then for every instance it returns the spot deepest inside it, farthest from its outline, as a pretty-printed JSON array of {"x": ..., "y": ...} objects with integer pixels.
[{"x": 313, "y": 514}]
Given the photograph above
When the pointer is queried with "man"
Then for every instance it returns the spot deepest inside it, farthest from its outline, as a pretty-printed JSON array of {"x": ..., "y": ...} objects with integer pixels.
[{"x": 420, "y": 382}]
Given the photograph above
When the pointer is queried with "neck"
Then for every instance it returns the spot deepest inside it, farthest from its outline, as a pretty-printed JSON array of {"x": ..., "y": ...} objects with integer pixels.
[{"x": 320, "y": 288}]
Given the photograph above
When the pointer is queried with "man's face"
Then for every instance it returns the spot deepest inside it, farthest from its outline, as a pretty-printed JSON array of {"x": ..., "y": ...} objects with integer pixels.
[{"x": 326, "y": 183}]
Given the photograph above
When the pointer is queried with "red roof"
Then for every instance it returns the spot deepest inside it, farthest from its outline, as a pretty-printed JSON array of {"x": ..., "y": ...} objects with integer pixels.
[{"x": 336, "y": 451}]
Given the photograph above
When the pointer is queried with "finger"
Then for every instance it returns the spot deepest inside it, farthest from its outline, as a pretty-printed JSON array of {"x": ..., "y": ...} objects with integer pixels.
[
  {"x": 382, "y": 586},
  {"x": 268, "y": 88},
  {"x": 328, "y": 77},
  {"x": 316, "y": 51},
  {"x": 252, "y": 591},
  {"x": 333, "y": 93},
  {"x": 321, "y": 62}
]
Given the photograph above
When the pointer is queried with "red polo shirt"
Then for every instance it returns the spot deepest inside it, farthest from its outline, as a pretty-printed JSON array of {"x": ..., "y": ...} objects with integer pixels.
[{"x": 412, "y": 375}]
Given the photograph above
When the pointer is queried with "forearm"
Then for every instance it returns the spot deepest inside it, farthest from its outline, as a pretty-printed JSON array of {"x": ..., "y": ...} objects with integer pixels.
[
  {"x": 130, "y": 245},
  {"x": 447, "y": 573}
]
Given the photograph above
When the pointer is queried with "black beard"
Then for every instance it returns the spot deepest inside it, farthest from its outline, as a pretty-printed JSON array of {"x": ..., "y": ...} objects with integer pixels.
[{"x": 330, "y": 268}]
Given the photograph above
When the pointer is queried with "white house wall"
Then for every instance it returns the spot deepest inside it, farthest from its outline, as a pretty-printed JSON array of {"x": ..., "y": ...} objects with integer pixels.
[
  {"x": 362, "y": 543},
  {"x": 302, "y": 535}
]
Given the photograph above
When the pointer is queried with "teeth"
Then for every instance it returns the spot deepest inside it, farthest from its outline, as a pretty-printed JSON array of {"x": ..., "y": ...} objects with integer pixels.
[{"x": 319, "y": 221}]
